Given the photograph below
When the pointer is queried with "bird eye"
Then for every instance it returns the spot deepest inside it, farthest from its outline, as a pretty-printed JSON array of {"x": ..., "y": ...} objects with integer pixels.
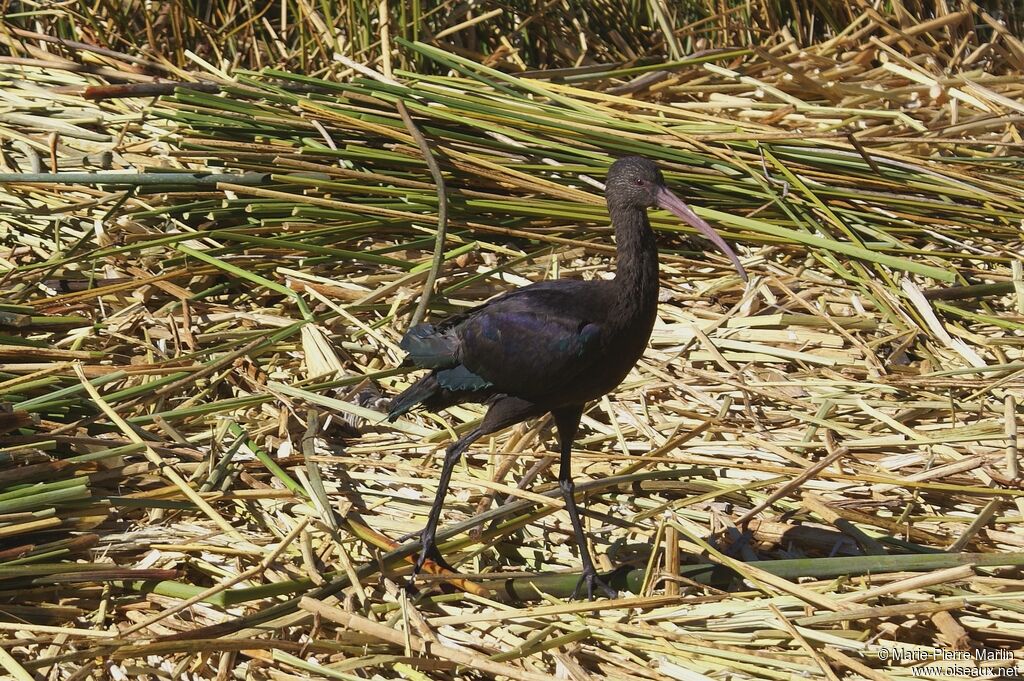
[{"x": 638, "y": 182}]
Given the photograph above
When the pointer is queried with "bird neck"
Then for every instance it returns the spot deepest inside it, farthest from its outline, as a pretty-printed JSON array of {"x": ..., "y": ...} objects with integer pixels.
[{"x": 636, "y": 271}]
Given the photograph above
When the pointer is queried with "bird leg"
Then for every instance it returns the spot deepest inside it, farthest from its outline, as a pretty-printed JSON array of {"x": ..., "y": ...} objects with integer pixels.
[
  {"x": 568, "y": 420},
  {"x": 428, "y": 535},
  {"x": 504, "y": 411}
]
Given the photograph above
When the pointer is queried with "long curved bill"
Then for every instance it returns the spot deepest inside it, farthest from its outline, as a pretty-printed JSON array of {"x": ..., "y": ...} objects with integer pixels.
[{"x": 675, "y": 205}]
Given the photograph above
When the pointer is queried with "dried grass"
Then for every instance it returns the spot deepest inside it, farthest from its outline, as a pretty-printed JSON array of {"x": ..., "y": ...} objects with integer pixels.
[{"x": 798, "y": 474}]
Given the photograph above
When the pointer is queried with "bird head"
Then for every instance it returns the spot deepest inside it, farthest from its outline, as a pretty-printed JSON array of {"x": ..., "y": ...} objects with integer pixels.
[{"x": 636, "y": 182}]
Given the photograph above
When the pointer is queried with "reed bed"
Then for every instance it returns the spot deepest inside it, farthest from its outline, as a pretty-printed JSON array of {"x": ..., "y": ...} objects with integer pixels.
[{"x": 813, "y": 474}]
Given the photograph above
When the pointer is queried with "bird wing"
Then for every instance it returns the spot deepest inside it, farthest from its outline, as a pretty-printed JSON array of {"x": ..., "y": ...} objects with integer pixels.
[
  {"x": 525, "y": 342},
  {"x": 436, "y": 346},
  {"x": 431, "y": 347},
  {"x": 531, "y": 342},
  {"x": 526, "y": 353}
]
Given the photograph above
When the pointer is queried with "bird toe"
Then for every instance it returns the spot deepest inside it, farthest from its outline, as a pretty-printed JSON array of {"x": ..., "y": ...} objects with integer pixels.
[{"x": 592, "y": 581}]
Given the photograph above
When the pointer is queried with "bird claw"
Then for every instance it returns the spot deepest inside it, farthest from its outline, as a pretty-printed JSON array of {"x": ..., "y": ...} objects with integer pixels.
[
  {"x": 410, "y": 586},
  {"x": 591, "y": 579},
  {"x": 428, "y": 552}
]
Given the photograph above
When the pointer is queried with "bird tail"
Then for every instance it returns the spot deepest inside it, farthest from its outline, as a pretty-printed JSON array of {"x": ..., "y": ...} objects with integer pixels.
[{"x": 420, "y": 391}]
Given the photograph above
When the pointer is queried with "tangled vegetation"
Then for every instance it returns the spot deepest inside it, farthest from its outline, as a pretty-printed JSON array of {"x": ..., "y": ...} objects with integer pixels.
[{"x": 208, "y": 256}]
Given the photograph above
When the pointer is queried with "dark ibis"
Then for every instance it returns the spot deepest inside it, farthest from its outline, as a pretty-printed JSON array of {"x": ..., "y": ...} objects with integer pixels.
[{"x": 551, "y": 346}]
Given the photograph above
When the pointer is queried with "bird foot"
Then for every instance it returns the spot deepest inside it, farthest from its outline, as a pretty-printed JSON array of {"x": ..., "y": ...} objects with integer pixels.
[
  {"x": 428, "y": 552},
  {"x": 590, "y": 579}
]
